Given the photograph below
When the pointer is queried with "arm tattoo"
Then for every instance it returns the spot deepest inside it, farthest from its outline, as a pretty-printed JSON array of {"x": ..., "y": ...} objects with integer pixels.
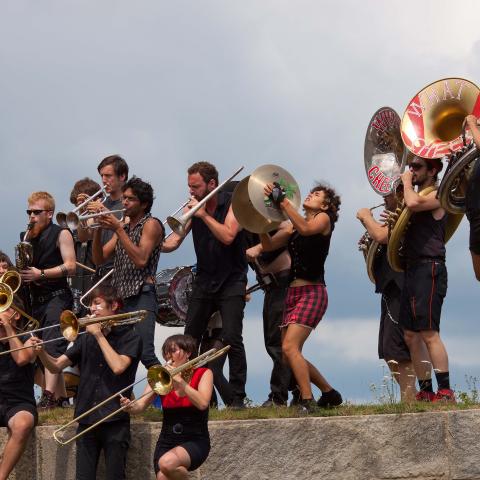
[{"x": 64, "y": 270}]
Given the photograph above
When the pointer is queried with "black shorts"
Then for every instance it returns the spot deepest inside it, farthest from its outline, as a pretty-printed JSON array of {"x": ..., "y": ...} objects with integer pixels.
[
  {"x": 391, "y": 342},
  {"x": 7, "y": 411},
  {"x": 197, "y": 447},
  {"x": 422, "y": 297},
  {"x": 474, "y": 219}
]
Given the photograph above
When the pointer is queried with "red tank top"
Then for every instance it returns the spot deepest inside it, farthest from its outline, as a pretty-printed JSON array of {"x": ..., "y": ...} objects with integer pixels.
[{"x": 172, "y": 400}]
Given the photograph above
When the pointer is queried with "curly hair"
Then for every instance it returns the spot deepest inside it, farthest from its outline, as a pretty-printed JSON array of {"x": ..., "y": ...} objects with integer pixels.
[
  {"x": 142, "y": 190},
  {"x": 331, "y": 197},
  {"x": 85, "y": 185}
]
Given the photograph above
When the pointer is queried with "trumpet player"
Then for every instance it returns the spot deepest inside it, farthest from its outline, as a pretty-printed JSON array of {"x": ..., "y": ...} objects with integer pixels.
[
  {"x": 391, "y": 343},
  {"x": 53, "y": 260},
  {"x": 18, "y": 411},
  {"x": 472, "y": 199},
  {"x": 184, "y": 442},
  {"x": 425, "y": 284},
  {"x": 135, "y": 250},
  {"x": 108, "y": 359}
]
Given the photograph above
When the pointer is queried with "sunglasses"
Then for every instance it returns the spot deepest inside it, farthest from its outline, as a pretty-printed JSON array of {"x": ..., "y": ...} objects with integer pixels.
[
  {"x": 415, "y": 166},
  {"x": 36, "y": 212}
]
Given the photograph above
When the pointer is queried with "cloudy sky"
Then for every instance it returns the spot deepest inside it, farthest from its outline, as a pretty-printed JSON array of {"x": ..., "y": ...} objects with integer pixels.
[{"x": 293, "y": 83}]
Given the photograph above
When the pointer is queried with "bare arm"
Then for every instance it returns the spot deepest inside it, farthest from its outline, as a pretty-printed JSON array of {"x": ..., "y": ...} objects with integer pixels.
[
  {"x": 224, "y": 232},
  {"x": 138, "y": 406},
  {"x": 278, "y": 240},
  {"x": 52, "y": 364},
  {"x": 101, "y": 253},
  {"x": 414, "y": 201},
  {"x": 20, "y": 357},
  {"x": 173, "y": 240},
  {"x": 201, "y": 397},
  {"x": 378, "y": 231}
]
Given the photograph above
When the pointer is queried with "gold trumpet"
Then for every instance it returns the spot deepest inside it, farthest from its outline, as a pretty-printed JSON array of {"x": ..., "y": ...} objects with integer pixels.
[
  {"x": 70, "y": 325},
  {"x": 10, "y": 282},
  {"x": 160, "y": 380}
]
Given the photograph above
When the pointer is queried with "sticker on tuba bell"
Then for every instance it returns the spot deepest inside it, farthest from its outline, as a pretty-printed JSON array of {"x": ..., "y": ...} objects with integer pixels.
[{"x": 383, "y": 173}]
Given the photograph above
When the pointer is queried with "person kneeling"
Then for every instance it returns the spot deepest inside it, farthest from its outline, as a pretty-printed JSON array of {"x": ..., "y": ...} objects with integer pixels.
[
  {"x": 108, "y": 359},
  {"x": 184, "y": 442}
]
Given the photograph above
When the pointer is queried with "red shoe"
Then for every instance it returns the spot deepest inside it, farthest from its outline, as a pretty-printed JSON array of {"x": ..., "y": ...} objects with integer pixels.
[
  {"x": 445, "y": 395},
  {"x": 423, "y": 396}
]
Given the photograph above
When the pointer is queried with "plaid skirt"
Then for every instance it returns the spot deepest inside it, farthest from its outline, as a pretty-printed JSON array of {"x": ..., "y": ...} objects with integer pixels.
[{"x": 305, "y": 305}]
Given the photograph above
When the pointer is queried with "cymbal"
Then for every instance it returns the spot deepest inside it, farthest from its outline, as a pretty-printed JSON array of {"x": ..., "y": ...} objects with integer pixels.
[{"x": 270, "y": 174}]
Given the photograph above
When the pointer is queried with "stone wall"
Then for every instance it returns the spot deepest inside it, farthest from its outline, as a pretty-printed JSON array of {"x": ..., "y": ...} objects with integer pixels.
[{"x": 427, "y": 446}]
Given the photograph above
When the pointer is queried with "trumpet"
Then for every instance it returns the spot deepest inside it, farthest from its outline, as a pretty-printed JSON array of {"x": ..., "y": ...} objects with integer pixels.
[
  {"x": 160, "y": 380},
  {"x": 73, "y": 219},
  {"x": 62, "y": 217},
  {"x": 178, "y": 224},
  {"x": 70, "y": 326}
]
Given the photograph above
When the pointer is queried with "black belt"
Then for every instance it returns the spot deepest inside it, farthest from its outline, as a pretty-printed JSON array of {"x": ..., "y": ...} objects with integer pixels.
[
  {"x": 416, "y": 261},
  {"x": 185, "y": 429},
  {"x": 46, "y": 298}
]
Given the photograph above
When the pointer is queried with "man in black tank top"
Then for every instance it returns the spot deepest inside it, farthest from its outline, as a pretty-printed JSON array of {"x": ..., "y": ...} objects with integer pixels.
[
  {"x": 53, "y": 260},
  {"x": 221, "y": 278},
  {"x": 425, "y": 276},
  {"x": 472, "y": 200}
]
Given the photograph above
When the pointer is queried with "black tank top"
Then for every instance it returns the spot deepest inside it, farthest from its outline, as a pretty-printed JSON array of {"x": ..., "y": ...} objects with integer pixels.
[
  {"x": 308, "y": 254},
  {"x": 384, "y": 274},
  {"x": 218, "y": 264},
  {"x": 425, "y": 237},
  {"x": 46, "y": 254},
  {"x": 16, "y": 383}
]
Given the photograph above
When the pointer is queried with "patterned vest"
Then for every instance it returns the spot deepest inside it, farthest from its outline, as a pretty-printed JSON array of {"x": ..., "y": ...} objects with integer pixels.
[{"x": 127, "y": 278}]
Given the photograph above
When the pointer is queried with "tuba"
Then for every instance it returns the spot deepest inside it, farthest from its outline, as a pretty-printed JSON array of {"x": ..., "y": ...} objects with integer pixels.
[
  {"x": 432, "y": 128},
  {"x": 384, "y": 158},
  {"x": 24, "y": 251}
]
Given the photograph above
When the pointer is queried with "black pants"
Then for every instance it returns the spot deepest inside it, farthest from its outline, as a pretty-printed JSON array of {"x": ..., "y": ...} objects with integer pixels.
[
  {"x": 145, "y": 300},
  {"x": 273, "y": 306},
  {"x": 111, "y": 437},
  {"x": 230, "y": 302}
]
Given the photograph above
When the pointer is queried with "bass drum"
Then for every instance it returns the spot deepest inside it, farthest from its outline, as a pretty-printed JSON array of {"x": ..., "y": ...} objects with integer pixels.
[{"x": 173, "y": 286}]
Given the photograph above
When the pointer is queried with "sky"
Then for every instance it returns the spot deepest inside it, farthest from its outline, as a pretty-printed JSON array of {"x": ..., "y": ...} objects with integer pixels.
[{"x": 291, "y": 83}]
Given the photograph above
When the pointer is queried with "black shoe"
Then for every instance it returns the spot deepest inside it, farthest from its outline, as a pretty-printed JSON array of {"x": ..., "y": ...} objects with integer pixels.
[
  {"x": 307, "y": 406},
  {"x": 273, "y": 403},
  {"x": 295, "y": 397},
  {"x": 47, "y": 401},
  {"x": 330, "y": 399},
  {"x": 237, "y": 404},
  {"x": 63, "y": 402}
]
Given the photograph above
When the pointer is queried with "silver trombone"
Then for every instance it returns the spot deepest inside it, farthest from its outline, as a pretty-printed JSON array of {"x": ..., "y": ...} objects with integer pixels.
[
  {"x": 172, "y": 215},
  {"x": 62, "y": 217},
  {"x": 160, "y": 380},
  {"x": 178, "y": 224},
  {"x": 88, "y": 292},
  {"x": 70, "y": 326}
]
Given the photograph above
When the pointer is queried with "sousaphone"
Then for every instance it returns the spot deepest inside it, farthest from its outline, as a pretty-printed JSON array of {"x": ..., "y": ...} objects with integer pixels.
[
  {"x": 253, "y": 210},
  {"x": 431, "y": 128},
  {"x": 384, "y": 158}
]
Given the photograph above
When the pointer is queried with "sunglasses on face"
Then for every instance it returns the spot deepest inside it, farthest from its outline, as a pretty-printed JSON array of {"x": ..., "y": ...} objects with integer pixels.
[
  {"x": 415, "y": 166},
  {"x": 35, "y": 212}
]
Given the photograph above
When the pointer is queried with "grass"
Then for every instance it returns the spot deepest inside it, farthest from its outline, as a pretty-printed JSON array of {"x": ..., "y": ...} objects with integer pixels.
[{"x": 63, "y": 415}]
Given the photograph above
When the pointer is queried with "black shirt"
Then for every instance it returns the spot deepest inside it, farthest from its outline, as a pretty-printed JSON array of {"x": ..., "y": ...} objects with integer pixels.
[
  {"x": 16, "y": 383},
  {"x": 97, "y": 381},
  {"x": 383, "y": 272},
  {"x": 218, "y": 264}
]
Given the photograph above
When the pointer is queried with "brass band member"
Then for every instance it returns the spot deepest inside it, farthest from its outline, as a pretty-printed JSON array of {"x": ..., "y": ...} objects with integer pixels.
[
  {"x": 113, "y": 171},
  {"x": 391, "y": 342},
  {"x": 308, "y": 240},
  {"x": 108, "y": 359},
  {"x": 53, "y": 261},
  {"x": 221, "y": 278},
  {"x": 472, "y": 199},
  {"x": 184, "y": 442},
  {"x": 135, "y": 249},
  {"x": 17, "y": 402},
  {"x": 425, "y": 284}
]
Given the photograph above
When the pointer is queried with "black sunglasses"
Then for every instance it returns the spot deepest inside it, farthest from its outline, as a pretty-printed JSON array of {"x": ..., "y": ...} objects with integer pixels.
[
  {"x": 36, "y": 212},
  {"x": 415, "y": 166}
]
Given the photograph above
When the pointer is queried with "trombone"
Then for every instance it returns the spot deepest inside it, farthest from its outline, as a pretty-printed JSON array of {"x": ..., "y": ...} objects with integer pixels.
[
  {"x": 70, "y": 326},
  {"x": 10, "y": 282},
  {"x": 160, "y": 380},
  {"x": 178, "y": 224},
  {"x": 62, "y": 217}
]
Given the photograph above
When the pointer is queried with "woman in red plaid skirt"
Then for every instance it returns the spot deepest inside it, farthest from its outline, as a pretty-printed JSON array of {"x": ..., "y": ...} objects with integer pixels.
[{"x": 308, "y": 240}]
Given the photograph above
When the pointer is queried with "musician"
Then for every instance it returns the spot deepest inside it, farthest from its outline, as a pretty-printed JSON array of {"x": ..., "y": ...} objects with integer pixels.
[
  {"x": 221, "y": 278},
  {"x": 184, "y": 441},
  {"x": 5, "y": 263},
  {"x": 472, "y": 200},
  {"x": 135, "y": 249},
  {"x": 17, "y": 402},
  {"x": 308, "y": 240},
  {"x": 391, "y": 342},
  {"x": 108, "y": 359},
  {"x": 53, "y": 261},
  {"x": 274, "y": 267},
  {"x": 113, "y": 171},
  {"x": 425, "y": 284}
]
